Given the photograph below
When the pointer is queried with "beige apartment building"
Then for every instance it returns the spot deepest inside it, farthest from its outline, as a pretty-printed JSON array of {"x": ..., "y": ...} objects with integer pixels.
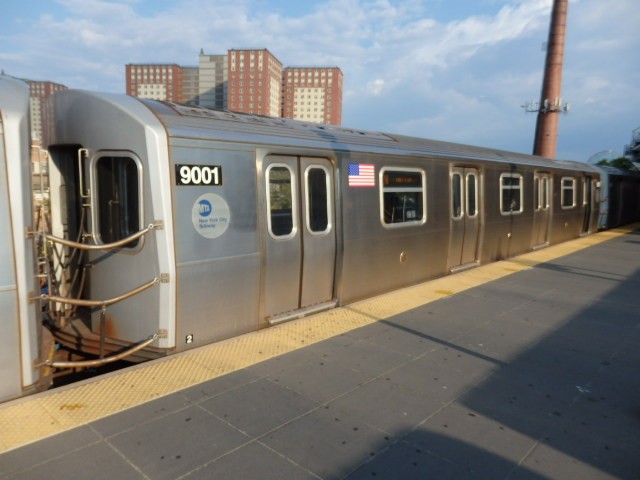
[{"x": 313, "y": 94}]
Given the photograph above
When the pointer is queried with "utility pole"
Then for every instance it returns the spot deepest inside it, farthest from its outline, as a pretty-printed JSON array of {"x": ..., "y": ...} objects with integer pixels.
[{"x": 551, "y": 104}]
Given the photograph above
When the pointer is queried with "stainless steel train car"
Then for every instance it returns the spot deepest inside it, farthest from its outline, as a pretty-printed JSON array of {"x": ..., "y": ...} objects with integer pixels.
[
  {"x": 620, "y": 197},
  {"x": 175, "y": 226},
  {"x": 22, "y": 340}
]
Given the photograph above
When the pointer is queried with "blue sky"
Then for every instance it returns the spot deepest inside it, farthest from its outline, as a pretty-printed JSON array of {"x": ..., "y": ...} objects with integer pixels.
[{"x": 454, "y": 70}]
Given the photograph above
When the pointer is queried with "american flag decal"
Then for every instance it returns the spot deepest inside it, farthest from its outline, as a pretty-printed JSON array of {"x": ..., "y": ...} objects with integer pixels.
[{"x": 362, "y": 175}]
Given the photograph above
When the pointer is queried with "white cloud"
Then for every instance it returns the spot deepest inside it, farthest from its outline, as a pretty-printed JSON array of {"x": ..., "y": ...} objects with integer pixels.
[
  {"x": 376, "y": 87},
  {"x": 462, "y": 77}
]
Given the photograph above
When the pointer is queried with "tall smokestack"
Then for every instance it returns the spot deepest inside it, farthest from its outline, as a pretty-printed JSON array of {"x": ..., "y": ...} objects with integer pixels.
[{"x": 550, "y": 98}]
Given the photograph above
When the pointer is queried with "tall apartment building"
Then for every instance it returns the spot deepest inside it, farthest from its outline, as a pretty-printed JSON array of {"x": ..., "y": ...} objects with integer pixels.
[
  {"x": 39, "y": 92},
  {"x": 155, "y": 81},
  {"x": 212, "y": 81},
  {"x": 313, "y": 94},
  {"x": 190, "y": 85},
  {"x": 255, "y": 82}
]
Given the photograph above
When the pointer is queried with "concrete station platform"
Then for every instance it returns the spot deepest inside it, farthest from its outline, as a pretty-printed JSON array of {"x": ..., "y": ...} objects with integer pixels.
[{"x": 523, "y": 369}]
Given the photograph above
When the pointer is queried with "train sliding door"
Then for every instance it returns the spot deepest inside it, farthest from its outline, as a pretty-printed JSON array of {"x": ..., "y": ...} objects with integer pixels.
[
  {"x": 587, "y": 202},
  {"x": 465, "y": 217},
  {"x": 300, "y": 238},
  {"x": 542, "y": 209}
]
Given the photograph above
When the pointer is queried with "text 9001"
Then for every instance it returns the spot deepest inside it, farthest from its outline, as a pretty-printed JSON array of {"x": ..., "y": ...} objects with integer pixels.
[{"x": 198, "y": 175}]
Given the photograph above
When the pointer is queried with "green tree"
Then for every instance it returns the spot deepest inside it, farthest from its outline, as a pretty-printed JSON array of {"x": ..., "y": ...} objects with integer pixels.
[{"x": 620, "y": 162}]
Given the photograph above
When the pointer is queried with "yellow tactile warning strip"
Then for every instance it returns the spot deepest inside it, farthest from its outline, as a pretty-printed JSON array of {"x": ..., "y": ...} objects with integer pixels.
[{"x": 27, "y": 420}]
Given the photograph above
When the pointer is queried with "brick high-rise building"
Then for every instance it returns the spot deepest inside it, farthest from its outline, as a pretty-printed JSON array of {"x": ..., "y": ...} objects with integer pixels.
[
  {"x": 313, "y": 94},
  {"x": 155, "y": 81},
  {"x": 255, "y": 82}
]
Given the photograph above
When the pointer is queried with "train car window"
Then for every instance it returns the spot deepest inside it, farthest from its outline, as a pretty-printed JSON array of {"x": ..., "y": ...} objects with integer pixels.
[
  {"x": 568, "y": 192},
  {"x": 280, "y": 200},
  {"x": 472, "y": 195},
  {"x": 403, "y": 199},
  {"x": 117, "y": 198},
  {"x": 456, "y": 196},
  {"x": 318, "y": 200},
  {"x": 537, "y": 194},
  {"x": 510, "y": 194}
]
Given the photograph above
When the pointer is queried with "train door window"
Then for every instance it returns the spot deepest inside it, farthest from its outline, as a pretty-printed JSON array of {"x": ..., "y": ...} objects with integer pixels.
[
  {"x": 544, "y": 193},
  {"x": 510, "y": 194},
  {"x": 318, "y": 200},
  {"x": 403, "y": 200},
  {"x": 568, "y": 192},
  {"x": 586, "y": 190},
  {"x": 118, "y": 198},
  {"x": 537, "y": 194},
  {"x": 456, "y": 196},
  {"x": 472, "y": 195},
  {"x": 280, "y": 204}
]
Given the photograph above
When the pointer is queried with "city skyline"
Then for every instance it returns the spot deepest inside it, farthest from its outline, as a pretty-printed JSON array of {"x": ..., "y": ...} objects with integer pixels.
[{"x": 454, "y": 71}]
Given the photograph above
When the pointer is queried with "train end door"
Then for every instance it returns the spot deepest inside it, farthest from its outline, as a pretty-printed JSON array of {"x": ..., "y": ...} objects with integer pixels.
[
  {"x": 299, "y": 247},
  {"x": 22, "y": 342}
]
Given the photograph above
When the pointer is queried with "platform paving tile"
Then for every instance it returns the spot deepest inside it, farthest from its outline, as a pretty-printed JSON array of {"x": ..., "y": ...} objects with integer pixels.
[
  {"x": 96, "y": 462},
  {"x": 444, "y": 374},
  {"x": 328, "y": 442},
  {"x": 503, "y": 338},
  {"x": 46, "y": 450},
  {"x": 136, "y": 416},
  {"x": 616, "y": 454},
  {"x": 303, "y": 355},
  {"x": 445, "y": 319},
  {"x": 388, "y": 406},
  {"x": 175, "y": 444},
  {"x": 319, "y": 378},
  {"x": 251, "y": 461},
  {"x": 547, "y": 462},
  {"x": 395, "y": 336},
  {"x": 217, "y": 386},
  {"x": 361, "y": 355},
  {"x": 259, "y": 407},
  {"x": 405, "y": 461},
  {"x": 479, "y": 444}
]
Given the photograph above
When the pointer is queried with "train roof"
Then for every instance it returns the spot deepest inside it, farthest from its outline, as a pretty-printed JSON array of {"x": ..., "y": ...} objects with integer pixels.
[
  {"x": 199, "y": 122},
  {"x": 185, "y": 121}
]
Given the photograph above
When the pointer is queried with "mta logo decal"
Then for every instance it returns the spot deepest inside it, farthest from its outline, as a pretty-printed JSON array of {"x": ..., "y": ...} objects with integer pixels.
[{"x": 205, "y": 208}]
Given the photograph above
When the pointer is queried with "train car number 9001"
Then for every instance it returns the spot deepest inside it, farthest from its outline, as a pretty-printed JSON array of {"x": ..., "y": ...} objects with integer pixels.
[{"x": 198, "y": 175}]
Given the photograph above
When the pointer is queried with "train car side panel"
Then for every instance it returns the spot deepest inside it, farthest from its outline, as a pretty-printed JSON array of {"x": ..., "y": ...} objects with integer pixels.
[
  {"x": 389, "y": 240},
  {"x": 217, "y": 240}
]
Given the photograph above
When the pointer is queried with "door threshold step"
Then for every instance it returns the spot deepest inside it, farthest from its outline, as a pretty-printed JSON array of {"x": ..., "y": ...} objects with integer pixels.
[
  {"x": 466, "y": 266},
  {"x": 303, "y": 312}
]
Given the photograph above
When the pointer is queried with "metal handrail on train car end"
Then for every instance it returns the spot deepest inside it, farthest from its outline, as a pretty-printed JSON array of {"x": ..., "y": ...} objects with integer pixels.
[
  {"x": 103, "y": 361},
  {"x": 101, "y": 303},
  {"x": 107, "y": 246}
]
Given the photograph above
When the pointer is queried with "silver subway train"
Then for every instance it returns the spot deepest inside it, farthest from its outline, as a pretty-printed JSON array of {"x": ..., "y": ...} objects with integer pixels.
[{"x": 168, "y": 227}]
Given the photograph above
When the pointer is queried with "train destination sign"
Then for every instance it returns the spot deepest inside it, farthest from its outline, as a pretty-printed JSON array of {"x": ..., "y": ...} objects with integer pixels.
[
  {"x": 402, "y": 179},
  {"x": 198, "y": 175}
]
